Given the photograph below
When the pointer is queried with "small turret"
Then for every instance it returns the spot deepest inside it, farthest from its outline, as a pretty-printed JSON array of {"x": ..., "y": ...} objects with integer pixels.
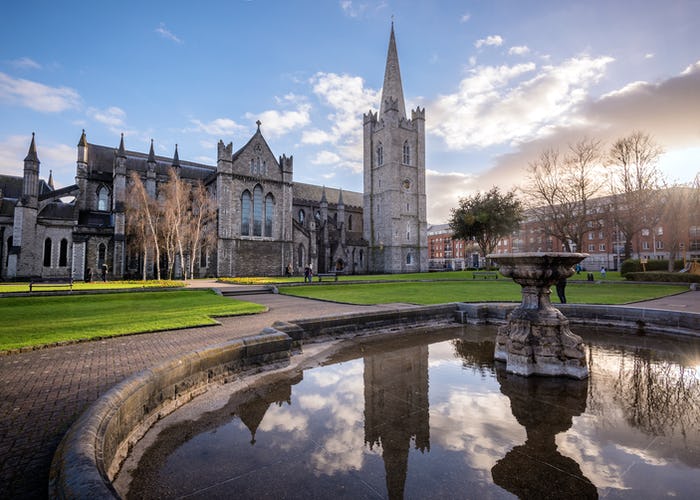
[
  {"x": 151, "y": 172},
  {"x": 83, "y": 149},
  {"x": 50, "y": 181},
  {"x": 30, "y": 184},
  {"x": 176, "y": 162}
]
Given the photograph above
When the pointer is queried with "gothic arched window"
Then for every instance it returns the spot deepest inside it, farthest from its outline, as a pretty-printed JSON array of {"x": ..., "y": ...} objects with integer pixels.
[
  {"x": 409, "y": 258},
  {"x": 47, "y": 252},
  {"x": 245, "y": 213},
  {"x": 302, "y": 217},
  {"x": 63, "y": 253},
  {"x": 406, "y": 153},
  {"x": 269, "y": 212},
  {"x": 300, "y": 256},
  {"x": 9, "y": 245},
  {"x": 103, "y": 198},
  {"x": 257, "y": 210},
  {"x": 101, "y": 255},
  {"x": 380, "y": 155},
  {"x": 349, "y": 222}
]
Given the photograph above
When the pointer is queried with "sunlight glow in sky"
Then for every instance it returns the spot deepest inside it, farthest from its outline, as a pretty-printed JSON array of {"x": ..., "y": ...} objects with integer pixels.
[{"x": 500, "y": 81}]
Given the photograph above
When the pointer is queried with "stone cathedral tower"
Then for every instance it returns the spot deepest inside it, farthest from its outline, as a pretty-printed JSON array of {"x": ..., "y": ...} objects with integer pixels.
[{"x": 395, "y": 224}]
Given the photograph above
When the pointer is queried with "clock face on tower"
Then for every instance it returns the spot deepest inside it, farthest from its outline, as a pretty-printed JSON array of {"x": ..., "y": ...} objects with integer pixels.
[{"x": 406, "y": 184}]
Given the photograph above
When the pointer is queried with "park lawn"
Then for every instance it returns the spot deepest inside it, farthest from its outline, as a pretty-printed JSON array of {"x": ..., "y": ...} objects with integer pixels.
[
  {"x": 475, "y": 291},
  {"x": 31, "y": 321},
  {"x": 93, "y": 285},
  {"x": 434, "y": 276}
]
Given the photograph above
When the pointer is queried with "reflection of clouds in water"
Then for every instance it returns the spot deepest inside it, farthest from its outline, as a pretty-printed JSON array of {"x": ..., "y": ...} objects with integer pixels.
[
  {"x": 342, "y": 443},
  {"x": 591, "y": 455},
  {"x": 280, "y": 418},
  {"x": 480, "y": 425},
  {"x": 643, "y": 456}
]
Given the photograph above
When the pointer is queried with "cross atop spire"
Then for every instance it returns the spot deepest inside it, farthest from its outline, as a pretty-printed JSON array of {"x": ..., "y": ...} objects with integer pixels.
[{"x": 392, "y": 90}]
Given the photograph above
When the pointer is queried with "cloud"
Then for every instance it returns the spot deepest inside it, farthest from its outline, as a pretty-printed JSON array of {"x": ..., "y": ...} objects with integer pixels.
[
  {"x": 167, "y": 34},
  {"x": 325, "y": 158},
  {"x": 220, "y": 127},
  {"x": 465, "y": 17},
  {"x": 509, "y": 104},
  {"x": 444, "y": 190},
  {"x": 278, "y": 123},
  {"x": 37, "y": 96},
  {"x": 113, "y": 117},
  {"x": 492, "y": 40},
  {"x": 667, "y": 110},
  {"x": 518, "y": 50},
  {"x": 57, "y": 157},
  {"x": 352, "y": 9},
  {"x": 649, "y": 55},
  {"x": 25, "y": 63}
]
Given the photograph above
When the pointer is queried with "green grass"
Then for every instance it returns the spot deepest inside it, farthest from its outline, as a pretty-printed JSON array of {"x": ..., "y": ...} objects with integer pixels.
[
  {"x": 30, "y": 321},
  {"x": 475, "y": 291},
  {"x": 435, "y": 276},
  {"x": 94, "y": 285}
]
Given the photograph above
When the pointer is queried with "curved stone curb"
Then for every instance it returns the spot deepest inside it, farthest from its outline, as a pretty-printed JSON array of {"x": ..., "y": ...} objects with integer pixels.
[{"x": 93, "y": 449}]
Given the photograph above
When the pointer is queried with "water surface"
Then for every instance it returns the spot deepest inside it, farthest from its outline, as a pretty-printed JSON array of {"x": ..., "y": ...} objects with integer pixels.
[{"x": 431, "y": 415}]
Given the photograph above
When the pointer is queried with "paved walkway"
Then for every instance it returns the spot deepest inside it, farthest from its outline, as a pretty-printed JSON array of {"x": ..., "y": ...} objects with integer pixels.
[{"x": 42, "y": 392}]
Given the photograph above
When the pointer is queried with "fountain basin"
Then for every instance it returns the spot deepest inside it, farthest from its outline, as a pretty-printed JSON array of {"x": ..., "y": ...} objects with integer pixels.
[{"x": 537, "y": 339}]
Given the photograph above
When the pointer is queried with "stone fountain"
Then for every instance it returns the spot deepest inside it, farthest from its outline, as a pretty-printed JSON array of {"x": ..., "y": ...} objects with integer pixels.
[{"x": 537, "y": 339}]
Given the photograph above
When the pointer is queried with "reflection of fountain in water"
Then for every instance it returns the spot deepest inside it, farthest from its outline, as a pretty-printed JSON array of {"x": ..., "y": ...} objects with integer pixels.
[
  {"x": 537, "y": 339},
  {"x": 545, "y": 407}
]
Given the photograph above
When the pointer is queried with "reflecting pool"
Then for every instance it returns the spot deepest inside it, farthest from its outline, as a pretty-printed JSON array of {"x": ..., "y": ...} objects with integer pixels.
[{"x": 431, "y": 415}]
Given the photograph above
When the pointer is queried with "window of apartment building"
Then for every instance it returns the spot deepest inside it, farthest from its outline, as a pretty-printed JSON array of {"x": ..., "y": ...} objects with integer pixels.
[
  {"x": 601, "y": 247},
  {"x": 591, "y": 247},
  {"x": 645, "y": 245},
  {"x": 645, "y": 232},
  {"x": 659, "y": 245},
  {"x": 591, "y": 235},
  {"x": 660, "y": 231},
  {"x": 601, "y": 235}
]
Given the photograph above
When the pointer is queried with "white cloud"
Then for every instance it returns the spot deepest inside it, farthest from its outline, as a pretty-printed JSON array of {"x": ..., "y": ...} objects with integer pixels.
[
  {"x": 519, "y": 50},
  {"x": 167, "y": 34},
  {"x": 316, "y": 136},
  {"x": 113, "y": 117},
  {"x": 57, "y": 157},
  {"x": 25, "y": 63},
  {"x": 219, "y": 127},
  {"x": 352, "y": 9},
  {"x": 510, "y": 104},
  {"x": 277, "y": 123},
  {"x": 37, "y": 96},
  {"x": 444, "y": 190},
  {"x": 649, "y": 55},
  {"x": 491, "y": 40},
  {"x": 465, "y": 17},
  {"x": 325, "y": 158}
]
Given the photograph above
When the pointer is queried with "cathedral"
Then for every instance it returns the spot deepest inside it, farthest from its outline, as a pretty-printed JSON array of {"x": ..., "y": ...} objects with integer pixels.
[{"x": 266, "y": 222}]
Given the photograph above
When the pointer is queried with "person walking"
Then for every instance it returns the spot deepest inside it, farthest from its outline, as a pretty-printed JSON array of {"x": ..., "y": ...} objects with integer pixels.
[{"x": 561, "y": 290}]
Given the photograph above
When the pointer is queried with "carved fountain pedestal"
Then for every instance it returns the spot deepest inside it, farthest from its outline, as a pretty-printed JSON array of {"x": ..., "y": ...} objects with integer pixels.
[{"x": 537, "y": 339}]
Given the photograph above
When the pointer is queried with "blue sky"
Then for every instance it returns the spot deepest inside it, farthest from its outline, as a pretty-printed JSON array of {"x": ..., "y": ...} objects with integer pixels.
[{"x": 500, "y": 81}]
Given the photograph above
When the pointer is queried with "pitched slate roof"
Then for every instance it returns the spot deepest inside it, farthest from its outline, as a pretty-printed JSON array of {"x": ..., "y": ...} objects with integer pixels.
[{"x": 313, "y": 193}]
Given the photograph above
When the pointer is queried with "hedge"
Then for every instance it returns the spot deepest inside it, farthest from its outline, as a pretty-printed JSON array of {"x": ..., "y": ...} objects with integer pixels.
[
  {"x": 664, "y": 277},
  {"x": 633, "y": 266}
]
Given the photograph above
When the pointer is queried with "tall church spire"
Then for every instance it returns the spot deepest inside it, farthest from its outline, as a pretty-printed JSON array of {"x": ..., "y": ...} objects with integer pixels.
[{"x": 392, "y": 92}]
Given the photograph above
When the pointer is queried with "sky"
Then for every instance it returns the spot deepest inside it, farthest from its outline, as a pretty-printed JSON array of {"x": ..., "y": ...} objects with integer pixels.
[{"x": 501, "y": 81}]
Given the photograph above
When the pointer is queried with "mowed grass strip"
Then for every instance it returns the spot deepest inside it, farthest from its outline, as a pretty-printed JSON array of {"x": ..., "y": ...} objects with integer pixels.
[
  {"x": 93, "y": 285},
  {"x": 31, "y": 321},
  {"x": 475, "y": 291}
]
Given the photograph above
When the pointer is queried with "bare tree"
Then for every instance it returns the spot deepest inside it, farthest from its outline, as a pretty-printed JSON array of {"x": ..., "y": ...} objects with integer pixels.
[
  {"x": 677, "y": 203},
  {"x": 560, "y": 190},
  {"x": 175, "y": 202},
  {"x": 143, "y": 217},
  {"x": 635, "y": 183},
  {"x": 202, "y": 222}
]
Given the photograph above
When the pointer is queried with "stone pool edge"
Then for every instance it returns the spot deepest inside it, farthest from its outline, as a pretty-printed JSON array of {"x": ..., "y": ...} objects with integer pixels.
[{"x": 94, "y": 447}]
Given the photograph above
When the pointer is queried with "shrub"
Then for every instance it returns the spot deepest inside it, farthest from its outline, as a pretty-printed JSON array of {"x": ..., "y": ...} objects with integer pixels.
[
  {"x": 664, "y": 277},
  {"x": 634, "y": 266}
]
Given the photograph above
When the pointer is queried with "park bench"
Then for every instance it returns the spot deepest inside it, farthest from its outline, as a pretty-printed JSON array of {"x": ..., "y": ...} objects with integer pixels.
[
  {"x": 485, "y": 275},
  {"x": 327, "y": 275},
  {"x": 38, "y": 281}
]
